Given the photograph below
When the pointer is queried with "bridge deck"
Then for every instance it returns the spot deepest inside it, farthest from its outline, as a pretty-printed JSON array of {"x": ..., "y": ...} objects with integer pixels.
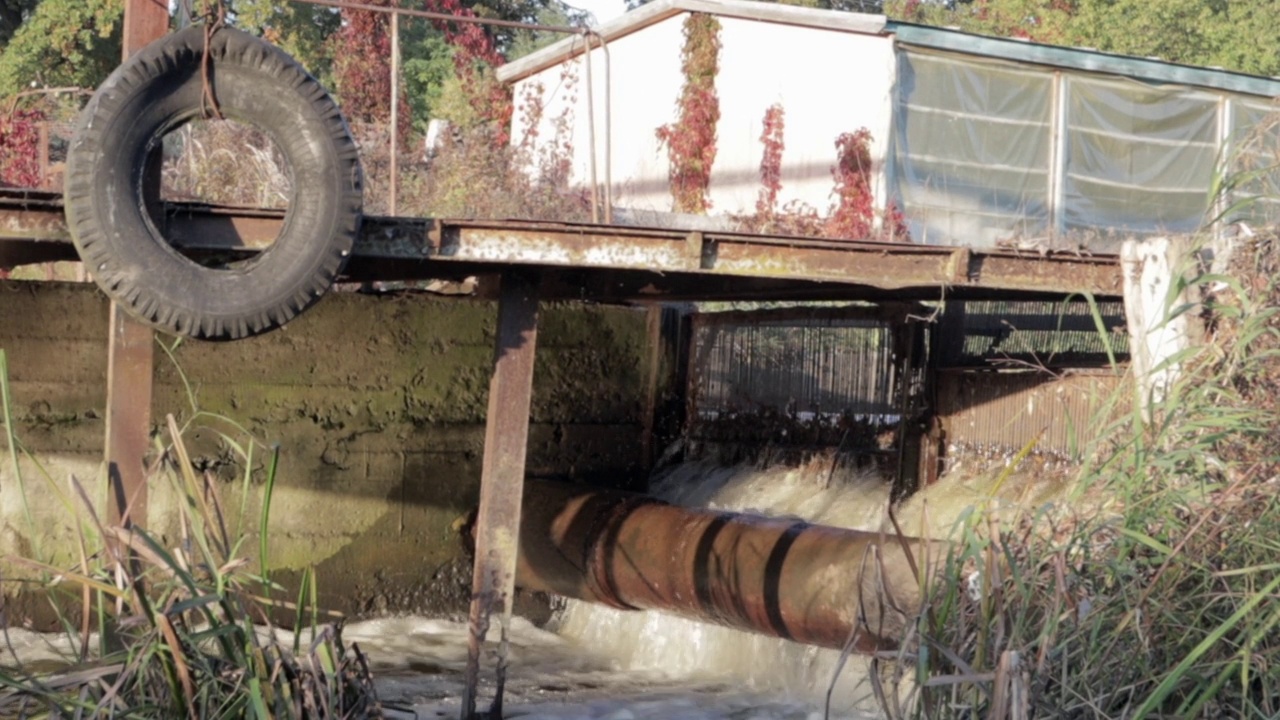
[{"x": 610, "y": 262}]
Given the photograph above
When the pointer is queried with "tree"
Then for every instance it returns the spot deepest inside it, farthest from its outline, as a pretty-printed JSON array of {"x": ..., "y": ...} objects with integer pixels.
[
  {"x": 299, "y": 29},
  {"x": 361, "y": 51},
  {"x": 12, "y": 14},
  {"x": 62, "y": 42},
  {"x": 1238, "y": 35}
]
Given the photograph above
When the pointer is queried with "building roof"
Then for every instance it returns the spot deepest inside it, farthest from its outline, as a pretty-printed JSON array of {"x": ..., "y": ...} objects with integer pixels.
[
  {"x": 1151, "y": 70},
  {"x": 659, "y": 10}
]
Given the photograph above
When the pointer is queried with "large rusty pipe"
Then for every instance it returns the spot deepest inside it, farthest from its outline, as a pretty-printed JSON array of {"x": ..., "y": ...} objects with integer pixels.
[{"x": 783, "y": 577}]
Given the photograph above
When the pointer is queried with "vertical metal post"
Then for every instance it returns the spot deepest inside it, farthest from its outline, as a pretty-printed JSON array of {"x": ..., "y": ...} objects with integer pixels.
[
  {"x": 129, "y": 363},
  {"x": 395, "y": 113},
  {"x": 1058, "y": 156},
  {"x": 1226, "y": 118},
  {"x": 144, "y": 21},
  {"x": 591, "y": 132},
  {"x": 42, "y": 152},
  {"x": 653, "y": 363},
  {"x": 506, "y": 439},
  {"x": 130, "y": 344}
]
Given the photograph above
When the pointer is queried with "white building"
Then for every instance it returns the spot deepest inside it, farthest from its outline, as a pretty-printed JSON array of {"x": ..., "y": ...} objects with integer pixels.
[{"x": 976, "y": 139}]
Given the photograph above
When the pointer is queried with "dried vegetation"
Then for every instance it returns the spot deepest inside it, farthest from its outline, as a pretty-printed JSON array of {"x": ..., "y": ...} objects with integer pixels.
[{"x": 1165, "y": 606}]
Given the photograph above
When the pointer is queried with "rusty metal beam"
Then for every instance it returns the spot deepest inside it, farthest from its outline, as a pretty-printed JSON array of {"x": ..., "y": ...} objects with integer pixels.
[
  {"x": 130, "y": 347},
  {"x": 506, "y": 440},
  {"x": 779, "y": 577},
  {"x": 144, "y": 21},
  {"x": 130, "y": 353},
  {"x": 653, "y": 264}
]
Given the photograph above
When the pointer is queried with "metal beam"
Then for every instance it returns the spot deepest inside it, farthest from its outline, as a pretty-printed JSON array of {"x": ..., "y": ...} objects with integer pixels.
[
  {"x": 645, "y": 263},
  {"x": 506, "y": 440}
]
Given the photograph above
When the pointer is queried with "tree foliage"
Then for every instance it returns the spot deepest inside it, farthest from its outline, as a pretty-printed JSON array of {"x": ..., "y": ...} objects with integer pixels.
[
  {"x": 299, "y": 29},
  {"x": 361, "y": 51},
  {"x": 62, "y": 42},
  {"x": 1238, "y": 35}
]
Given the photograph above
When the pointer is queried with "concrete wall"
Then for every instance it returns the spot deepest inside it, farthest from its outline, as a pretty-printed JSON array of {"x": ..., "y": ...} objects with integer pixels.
[
  {"x": 377, "y": 404},
  {"x": 828, "y": 82}
]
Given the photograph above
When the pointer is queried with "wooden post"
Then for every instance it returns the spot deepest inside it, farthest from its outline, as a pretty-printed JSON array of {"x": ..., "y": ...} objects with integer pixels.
[{"x": 506, "y": 440}]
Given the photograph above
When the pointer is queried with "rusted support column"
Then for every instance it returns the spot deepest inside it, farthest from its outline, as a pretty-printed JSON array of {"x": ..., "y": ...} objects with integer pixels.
[
  {"x": 144, "y": 21},
  {"x": 130, "y": 348},
  {"x": 653, "y": 366},
  {"x": 502, "y": 477},
  {"x": 781, "y": 577},
  {"x": 129, "y": 373}
]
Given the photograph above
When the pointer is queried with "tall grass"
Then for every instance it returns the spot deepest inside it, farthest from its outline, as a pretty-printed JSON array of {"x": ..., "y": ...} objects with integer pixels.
[
  {"x": 180, "y": 628},
  {"x": 1164, "y": 607}
]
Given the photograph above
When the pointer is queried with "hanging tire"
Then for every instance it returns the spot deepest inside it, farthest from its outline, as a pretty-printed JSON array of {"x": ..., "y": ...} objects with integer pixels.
[{"x": 154, "y": 92}]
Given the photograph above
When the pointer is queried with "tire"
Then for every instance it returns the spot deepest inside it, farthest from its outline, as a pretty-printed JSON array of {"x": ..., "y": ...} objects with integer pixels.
[{"x": 153, "y": 93}]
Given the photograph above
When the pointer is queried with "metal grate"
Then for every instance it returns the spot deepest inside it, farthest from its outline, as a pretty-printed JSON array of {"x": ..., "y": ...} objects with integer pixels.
[
  {"x": 998, "y": 413},
  {"x": 983, "y": 333},
  {"x": 820, "y": 377}
]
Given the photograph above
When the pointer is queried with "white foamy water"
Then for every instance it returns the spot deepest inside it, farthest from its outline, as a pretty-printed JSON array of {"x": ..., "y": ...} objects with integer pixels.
[{"x": 418, "y": 665}]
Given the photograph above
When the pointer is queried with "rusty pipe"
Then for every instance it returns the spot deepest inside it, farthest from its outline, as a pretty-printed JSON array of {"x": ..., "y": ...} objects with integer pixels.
[{"x": 782, "y": 577}]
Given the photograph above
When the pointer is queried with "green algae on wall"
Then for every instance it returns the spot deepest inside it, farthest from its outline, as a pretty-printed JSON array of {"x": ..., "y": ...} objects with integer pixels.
[{"x": 376, "y": 402}]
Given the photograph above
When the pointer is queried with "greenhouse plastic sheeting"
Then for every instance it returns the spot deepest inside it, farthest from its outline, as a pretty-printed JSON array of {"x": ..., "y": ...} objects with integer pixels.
[
  {"x": 1140, "y": 160},
  {"x": 986, "y": 152},
  {"x": 1255, "y": 162},
  {"x": 972, "y": 149}
]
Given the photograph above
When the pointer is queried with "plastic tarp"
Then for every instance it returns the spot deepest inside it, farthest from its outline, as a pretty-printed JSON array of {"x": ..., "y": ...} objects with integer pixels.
[
  {"x": 1254, "y": 163},
  {"x": 1140, "y": 160},
  {"x": 972, "y": 149},
  {"x": 982, "y": 152}
]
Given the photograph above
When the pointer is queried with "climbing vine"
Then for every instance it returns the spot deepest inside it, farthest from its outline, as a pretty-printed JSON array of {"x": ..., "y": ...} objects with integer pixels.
[
  {"x": 20, "y": 148},
  {"x": 475, "y": 57},
  {"x": 551, "y": 156},
  {"x": 691, "y": 140},
  {"x": 771, "y": 162},
  {"x": 853, "y": 212}
]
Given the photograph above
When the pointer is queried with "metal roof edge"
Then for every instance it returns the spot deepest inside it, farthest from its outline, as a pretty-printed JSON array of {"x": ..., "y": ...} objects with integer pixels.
[
  {"x": 659, "y": 10},
  {"x": 539, "y": 60},
  {"x": 1147, "y": 69}
]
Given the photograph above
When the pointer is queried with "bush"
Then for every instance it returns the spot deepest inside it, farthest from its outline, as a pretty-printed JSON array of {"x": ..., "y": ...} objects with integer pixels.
[{"x": 1164, "y": 607}]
